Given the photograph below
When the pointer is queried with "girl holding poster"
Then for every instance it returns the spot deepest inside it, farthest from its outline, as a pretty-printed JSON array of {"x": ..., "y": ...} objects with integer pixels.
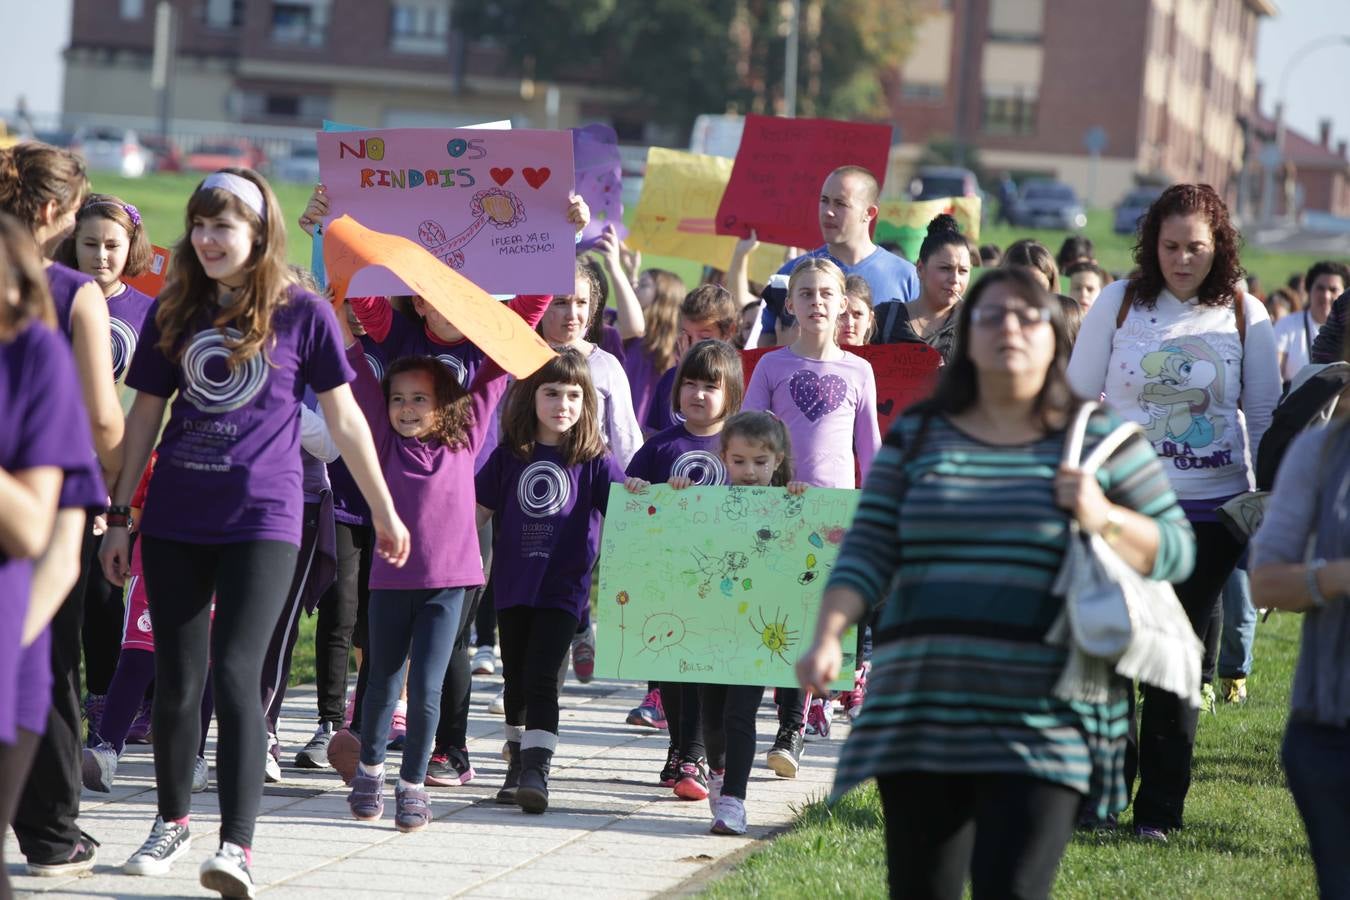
[{"x": 238, "y": 341}]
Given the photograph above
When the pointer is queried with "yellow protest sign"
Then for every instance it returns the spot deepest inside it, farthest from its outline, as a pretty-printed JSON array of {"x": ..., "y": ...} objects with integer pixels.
[
  {"x": 905, "y": 222},
  {"x": 677, "y": 211}
]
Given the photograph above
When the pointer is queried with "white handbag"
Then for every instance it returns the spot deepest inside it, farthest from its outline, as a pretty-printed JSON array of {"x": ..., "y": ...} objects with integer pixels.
[{"x": 1114, "y": 618}]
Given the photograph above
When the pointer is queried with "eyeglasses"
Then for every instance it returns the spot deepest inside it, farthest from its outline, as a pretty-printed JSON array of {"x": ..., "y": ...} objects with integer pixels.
[{"x": 994, "y": 315}]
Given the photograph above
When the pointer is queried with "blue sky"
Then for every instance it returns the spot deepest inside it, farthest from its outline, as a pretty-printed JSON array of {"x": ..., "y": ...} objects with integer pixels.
[{"x": 32, "y": 66}]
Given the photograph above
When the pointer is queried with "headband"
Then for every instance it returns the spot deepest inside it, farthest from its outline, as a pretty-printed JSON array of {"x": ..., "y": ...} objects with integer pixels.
[
  {"x": 132, "y": 212},
  {"x": 247, "y": 192}
]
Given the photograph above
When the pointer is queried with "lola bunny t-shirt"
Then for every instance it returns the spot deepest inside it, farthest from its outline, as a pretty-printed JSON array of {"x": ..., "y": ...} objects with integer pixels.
[{"x": 229, "y": 460}]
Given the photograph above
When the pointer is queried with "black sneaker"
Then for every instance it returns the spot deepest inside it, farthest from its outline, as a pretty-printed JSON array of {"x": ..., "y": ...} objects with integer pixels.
[
  {"x": 167, "y": 842},
  {"x": 786, "y": 756},
  {"x": 670, "y": 772},
  {"x": 227, "y": 872},
  {"x": 449, "y": 768},
  {"x": 78, "y": 860}
]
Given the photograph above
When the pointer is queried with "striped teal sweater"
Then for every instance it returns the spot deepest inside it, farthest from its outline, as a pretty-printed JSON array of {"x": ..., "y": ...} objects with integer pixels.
[{"x": 963, "y": 540}]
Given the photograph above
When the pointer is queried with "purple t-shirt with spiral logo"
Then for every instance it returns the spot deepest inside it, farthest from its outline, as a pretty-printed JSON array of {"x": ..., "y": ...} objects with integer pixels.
[
  {"x": 83, "y": 485},
  {"x": 126, "y": 317},
  {"x": 229, "y": 460},
  {"x": 677, "y": 452},
  {"x": 548, "y": 525}
]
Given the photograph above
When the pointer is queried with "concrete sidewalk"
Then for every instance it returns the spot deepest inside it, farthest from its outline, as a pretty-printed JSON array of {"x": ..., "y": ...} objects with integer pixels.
[{"x": 609, "y": 831}]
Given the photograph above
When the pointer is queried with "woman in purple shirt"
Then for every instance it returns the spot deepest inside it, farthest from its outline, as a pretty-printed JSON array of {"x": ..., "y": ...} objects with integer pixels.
[{"x": 238, "y": 341}]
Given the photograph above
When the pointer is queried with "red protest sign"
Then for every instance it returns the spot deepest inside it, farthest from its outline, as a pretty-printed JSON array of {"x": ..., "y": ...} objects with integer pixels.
[
  {"x": 775, "y": 182},
  {"x": 151, "y": 281},
  {"x": 905, "y": 374}
]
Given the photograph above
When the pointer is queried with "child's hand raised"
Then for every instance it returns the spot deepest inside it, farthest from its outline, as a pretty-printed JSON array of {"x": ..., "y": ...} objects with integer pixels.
[
  {"x": 636, "y": 485},
  {"x": 796, "y": 488},
  {"x": 680, "y": 482},
  {"x": 316, "y": 211},
  {"x": 578, "y": 213}
]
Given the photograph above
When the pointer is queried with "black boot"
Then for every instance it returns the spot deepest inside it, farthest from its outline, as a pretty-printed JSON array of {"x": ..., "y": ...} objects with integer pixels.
[
  {"x": 508, "y": 792},
  {"x": 536, "y": 756}
]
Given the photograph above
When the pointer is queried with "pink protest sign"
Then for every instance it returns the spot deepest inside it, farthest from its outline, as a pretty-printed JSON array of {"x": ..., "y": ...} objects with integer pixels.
[
  {"x": 780, "y": 167},
  {"x": 599, "y": 180},
  {"x": 490, "y": 204}
]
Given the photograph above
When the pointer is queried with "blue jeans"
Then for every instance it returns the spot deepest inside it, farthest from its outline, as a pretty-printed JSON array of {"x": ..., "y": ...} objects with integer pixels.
[
  {"x": 1317, "y": 763},
  {"x": 1239, "y": 627},
  {"x": 417, "y": 626}
]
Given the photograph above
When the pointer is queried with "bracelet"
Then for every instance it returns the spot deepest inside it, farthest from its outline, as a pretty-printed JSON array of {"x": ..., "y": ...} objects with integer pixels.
[
  {"x": 1111, "y": 527},
  {"x": 1315, "y": 592},
  {"x": 119, "y": 510},
  {"x": 118, "y": 519}
]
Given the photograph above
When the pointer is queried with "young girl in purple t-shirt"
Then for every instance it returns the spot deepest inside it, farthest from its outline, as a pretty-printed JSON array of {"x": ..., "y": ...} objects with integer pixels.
[
  {"x": 708, "y": 388},
  {"x": 237, "y": 340},
  {"x": 548, "y": 484}
]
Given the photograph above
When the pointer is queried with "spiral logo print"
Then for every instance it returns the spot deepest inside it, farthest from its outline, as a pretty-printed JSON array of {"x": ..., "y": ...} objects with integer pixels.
[
  {"x": 544, "y": 490},
  {"x": 456, "y": 365},
  {"x": 212, "y": 385},
  {"x": 700, "y": 467},
  {"x": 123, "y": 346},
  {"x": 375, "y": 366}
]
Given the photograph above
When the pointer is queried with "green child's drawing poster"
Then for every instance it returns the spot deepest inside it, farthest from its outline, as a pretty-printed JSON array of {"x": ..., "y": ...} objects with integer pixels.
[{"x": 717, "y": 584}]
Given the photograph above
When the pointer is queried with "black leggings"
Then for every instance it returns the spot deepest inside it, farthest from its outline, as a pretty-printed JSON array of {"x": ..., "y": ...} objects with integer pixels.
[
  {"x": 277, "y": 661},
  {"x": 684, "y": 719},
  {"x": 15, "y": 761},
  {"x": 249, "y": 580},
  {"x": 485, "y": 622},
  {"x": 337, "y": 619},
  {"x": 729, "y": 712},
  {"x": 534, "y": 644},
  {"x": 101, "y": 631},
  {"x": 1008, "y": 831},
  {"x": 1167, "y": 723}
]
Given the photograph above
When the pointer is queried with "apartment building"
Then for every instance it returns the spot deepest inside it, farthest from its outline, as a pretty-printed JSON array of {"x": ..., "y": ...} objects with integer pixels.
[{"x": 1026, "y": 81}]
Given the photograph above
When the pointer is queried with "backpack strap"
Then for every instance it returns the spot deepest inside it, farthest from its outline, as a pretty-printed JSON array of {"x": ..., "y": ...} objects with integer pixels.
[
  {"x": 1126, "y": 303},
  {"x": 1240, "y": 311}
]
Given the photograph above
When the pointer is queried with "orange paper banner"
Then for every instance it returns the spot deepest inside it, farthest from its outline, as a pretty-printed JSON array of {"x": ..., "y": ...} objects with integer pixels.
[
  {"x": 151, "y": 281},
  {"x": 349, "y": 247}
]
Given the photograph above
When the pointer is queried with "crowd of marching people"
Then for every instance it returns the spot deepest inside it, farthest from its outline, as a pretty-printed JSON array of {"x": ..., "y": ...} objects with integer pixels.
[{"x": 183, "y": 476}]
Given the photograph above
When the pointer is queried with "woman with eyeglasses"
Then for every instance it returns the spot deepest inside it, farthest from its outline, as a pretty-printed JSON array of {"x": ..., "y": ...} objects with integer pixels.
[
  {"x": 1181, "y": 350},
  {"x": 981, "y": 769}
]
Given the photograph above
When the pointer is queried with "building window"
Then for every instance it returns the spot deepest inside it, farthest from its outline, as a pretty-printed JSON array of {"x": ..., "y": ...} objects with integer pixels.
[
  {"x": 419, "y": 26},
  {"x": 224, "y": 14},
  {"x": 299, "y": 22},
  {"x": 132, "y": 9},
  {"x": 921, "y": 92},
  {"x": 1016, "y": 20},
  {"x": 272, "y": 105},
  {"x": 1009, "y": 111}
]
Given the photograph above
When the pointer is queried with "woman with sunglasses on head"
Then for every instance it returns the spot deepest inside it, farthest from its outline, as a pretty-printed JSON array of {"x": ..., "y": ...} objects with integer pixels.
[{"x": 981, "y": 768}]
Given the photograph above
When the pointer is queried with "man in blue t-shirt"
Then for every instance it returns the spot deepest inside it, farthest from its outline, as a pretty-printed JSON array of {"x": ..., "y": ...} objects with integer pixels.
[{"x": 848, "y": 204}]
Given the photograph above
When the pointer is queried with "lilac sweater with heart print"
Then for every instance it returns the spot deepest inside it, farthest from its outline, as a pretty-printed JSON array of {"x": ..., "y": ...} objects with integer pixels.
[{"x": 829, "y": 407}]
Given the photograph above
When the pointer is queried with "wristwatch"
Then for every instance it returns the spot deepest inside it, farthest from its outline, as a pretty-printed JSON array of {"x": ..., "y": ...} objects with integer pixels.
[
  {"x": 1315, "y": 592},
  {"x": 1111, "y": 528}
]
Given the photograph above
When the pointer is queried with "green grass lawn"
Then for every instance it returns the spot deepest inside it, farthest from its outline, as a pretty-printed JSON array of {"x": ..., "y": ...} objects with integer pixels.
[{"x": 1243, "y": 837}]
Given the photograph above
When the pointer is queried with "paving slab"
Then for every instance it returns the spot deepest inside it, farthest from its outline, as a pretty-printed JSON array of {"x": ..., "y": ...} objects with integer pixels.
[{"x": 610, "y": 832}]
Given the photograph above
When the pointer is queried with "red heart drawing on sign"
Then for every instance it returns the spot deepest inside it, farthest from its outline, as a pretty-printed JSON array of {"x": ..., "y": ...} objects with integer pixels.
[
  {"x": 501, "y": 176},
  {"x": 536, "y": 177}
]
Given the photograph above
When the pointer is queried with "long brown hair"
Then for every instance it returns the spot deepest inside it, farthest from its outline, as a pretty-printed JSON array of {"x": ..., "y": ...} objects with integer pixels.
[
  {"x": 716, "y": 362},
  {"x": 1030, "y": 253},
  {"x": 1180, "y": 200},
  {"x": 662, "y": 317},
  {"x": 759, "y": 426},
  {"x": 21, "y": 269},
  {"x": 189, "y": 292},
  {"x": 454, "y": 407},
  {"x": 582, "y": 442},
  {"x": 958, "y": 388},
  {"x": 33, "y": 174},
  {"x": 114, "y": 209}
]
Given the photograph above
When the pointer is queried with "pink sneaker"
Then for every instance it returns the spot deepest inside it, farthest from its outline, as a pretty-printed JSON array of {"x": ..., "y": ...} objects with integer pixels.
[
  {"x": 859, "y": 692},
  {"x": 350, "y": 711},
  {"x": 398, "y": 730},
  {"x": 649, "y": 713},
  {"x": 818, "y": 717}
]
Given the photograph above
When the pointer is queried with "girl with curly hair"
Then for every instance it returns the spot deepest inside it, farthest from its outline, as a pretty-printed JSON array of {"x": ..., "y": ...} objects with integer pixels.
[{"x": 1180, "y": 349}]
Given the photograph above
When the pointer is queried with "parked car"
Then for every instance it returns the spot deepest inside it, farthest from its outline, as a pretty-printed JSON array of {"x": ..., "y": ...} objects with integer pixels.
[
  {"x": 937, "y": 182},
  {"x": 112, "y": 150},
  {"x": 223, "y": 154},
  {"x": 1048, "y": 204},
  {"x": 164, "y": 153},
  {"x": 1132, "y": 207},
  {"x": 301, "y": 166},
  {"x": 56, "y": 137}
]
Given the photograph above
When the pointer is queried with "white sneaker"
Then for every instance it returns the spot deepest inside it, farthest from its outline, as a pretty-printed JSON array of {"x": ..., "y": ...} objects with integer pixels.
[
  {"x": 271, "y": 769},
  {"x": 484, "y": 661},
  {"x": 227, "y": 872},
  {"x": 497, "y": 705},
  {"x": 730, "y": 816},
  {"x": 715, "y": 780},
  {"x": 98, "y": 767},
  {"x": 167, "y": 842},
  {"x": 200, "y": 776}
]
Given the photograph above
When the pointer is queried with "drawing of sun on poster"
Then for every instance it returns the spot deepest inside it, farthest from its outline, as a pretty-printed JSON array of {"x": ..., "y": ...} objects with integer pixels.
[
  {"x": 491, "y": 204},
  {"x": 717, "y": 584}
]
